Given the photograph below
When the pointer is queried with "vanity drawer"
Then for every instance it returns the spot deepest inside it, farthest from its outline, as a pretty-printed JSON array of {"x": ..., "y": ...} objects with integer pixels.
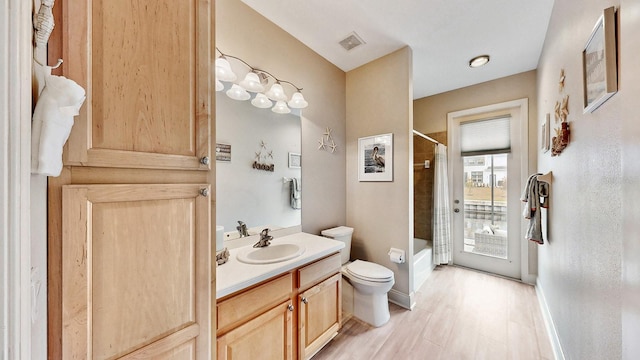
[
  {"x": 319, "y": 270},
  {"x": 236, "y": 309}
]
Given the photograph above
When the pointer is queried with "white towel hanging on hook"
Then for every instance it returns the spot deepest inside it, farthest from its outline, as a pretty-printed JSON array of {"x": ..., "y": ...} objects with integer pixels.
[{"x": 58, "y": 103}]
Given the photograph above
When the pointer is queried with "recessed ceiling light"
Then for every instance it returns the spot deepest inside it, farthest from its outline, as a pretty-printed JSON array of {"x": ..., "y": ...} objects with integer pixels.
[{"x": 478, "y": 61}]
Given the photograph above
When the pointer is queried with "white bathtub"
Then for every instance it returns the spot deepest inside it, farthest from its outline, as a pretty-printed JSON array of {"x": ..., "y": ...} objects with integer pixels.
[{"x": 422, "y": 262}]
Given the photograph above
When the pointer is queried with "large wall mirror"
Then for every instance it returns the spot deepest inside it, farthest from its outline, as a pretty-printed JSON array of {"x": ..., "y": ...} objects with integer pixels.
[{"x": 246, "y": 192}]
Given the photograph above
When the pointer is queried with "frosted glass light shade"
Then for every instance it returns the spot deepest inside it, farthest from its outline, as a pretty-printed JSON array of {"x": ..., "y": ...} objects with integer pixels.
[
  {"x": 297, "y": 101},
  {"x": 252, "y": 83},
  {"x": 261, "y": 101},
  {"x": 219, "y": 85},
  {"x": 281, "y": 108},
  {"x": 276, "y": 93},
  {"x": 238, "y": 93},
  {"x": 223, "y": 70}
]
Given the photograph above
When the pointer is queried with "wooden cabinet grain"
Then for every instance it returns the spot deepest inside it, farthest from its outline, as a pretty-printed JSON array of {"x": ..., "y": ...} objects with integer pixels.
[
  {"x": 146, "y": 67},
  {"x": 135, "y": 271},
  {"x": 266, "y": 336},
  {"x": 129, "y": 231},
  {"x": 320, "y": 315}
]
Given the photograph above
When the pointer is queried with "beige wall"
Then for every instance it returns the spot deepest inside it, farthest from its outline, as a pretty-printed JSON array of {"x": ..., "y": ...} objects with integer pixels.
[
  {"x": 430, "y": 113},
  {"x": 242, "y": 32},
  {"x": 381, "y": 212},
  {"x": 580, "y": 266},
  {"x": 630, "y": 89}
]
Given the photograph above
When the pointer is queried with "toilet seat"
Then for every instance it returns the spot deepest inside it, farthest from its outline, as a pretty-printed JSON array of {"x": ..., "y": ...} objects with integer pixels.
[{"x": 369, "y": 271}]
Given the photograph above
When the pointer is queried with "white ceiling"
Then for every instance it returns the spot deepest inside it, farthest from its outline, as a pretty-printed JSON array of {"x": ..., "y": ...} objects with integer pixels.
[{"x": 443, "y": 34}]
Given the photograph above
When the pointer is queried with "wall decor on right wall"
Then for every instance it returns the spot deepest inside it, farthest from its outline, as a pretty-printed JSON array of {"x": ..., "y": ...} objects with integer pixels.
[{"x": 599, "y": 63}]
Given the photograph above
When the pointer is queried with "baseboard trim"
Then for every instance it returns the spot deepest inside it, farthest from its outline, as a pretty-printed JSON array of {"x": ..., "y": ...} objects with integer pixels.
[
  {"x": 402, "y": 299},
  {"x": 548, "y": 323}
]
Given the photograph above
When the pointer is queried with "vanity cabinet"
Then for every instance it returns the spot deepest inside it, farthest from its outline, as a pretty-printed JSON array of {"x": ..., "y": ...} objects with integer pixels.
[
  {"x": 320, "y": 315},
  {"x": 319, "y": 304},
  {"x": 266, "y": 336},
  {"x": 259, "y": 322}
]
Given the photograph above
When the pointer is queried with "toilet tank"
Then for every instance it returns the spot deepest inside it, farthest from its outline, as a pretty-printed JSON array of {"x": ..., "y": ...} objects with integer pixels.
[{"x": 341, "y": 233}]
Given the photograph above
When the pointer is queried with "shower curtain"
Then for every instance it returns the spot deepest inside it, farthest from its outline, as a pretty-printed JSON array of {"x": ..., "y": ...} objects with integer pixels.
[{"x": 442, "y": 250}]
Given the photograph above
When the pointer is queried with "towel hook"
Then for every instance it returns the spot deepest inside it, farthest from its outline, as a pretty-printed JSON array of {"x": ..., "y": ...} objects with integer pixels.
[
  {"x": 546, "y": 177},
  {"x": 57, "y": 65}
]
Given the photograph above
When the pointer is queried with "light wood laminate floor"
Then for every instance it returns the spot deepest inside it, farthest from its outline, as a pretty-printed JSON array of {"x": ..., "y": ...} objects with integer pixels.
[{"x": 460, "y": 314}]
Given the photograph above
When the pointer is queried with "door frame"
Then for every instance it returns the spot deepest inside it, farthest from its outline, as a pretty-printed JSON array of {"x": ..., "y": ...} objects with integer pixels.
[
  {"x": 523, "y": 105},
  {"x": 15, "y": 139}
]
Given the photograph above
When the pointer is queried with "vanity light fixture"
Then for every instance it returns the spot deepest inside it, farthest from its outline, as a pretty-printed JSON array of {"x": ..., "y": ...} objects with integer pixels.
[
  {"x": 479, "y": 61},
  {"x": 223, "y": 70},
  {"x": 261, "y": 101},
  {"x": 281, "y": 108},
  {"x": 256, "y": 81},
  {"x": 237, "y": 92}
]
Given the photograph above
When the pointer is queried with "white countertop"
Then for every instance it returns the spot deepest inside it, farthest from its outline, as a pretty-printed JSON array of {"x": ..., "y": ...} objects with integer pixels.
[{"x": 235, "y": 275}]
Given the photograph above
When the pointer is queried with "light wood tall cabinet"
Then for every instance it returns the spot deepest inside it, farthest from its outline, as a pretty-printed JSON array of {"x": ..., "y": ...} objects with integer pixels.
[
  {"x": 135, "y": 271},
  {"x": 130, "y": 271},
  {"x": 146, "y": 67}
]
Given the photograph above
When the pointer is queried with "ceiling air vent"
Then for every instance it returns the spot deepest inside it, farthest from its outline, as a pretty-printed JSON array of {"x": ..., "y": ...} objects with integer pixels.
[{"x": 352, "y": 41}]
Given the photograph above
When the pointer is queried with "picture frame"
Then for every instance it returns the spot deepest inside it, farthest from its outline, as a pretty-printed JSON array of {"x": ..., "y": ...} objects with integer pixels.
[
  {"x": 375, "y": 158},
  {"x": 295, "y": 160},
  {"x": 599, "y": 62},
  {"x": 223, "y": 152},
  {"x": 545, "y": 144}
]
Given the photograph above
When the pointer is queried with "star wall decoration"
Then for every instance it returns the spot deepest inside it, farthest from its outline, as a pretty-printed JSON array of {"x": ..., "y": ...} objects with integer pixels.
[
  {"x": 322, "y": 144},
  {"x": 333, "y": 146},
  {"x": 326, "y": 141},
  {"x": 564, "y": 108}
]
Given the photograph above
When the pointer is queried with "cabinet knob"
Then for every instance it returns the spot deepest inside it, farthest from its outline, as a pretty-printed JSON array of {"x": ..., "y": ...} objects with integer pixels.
[
  {"x": 304, "y": 300},
  {"x": 290, "y": 307},
  {"x": 205, "y": 160},
  {"x": 204, "y": 192}
]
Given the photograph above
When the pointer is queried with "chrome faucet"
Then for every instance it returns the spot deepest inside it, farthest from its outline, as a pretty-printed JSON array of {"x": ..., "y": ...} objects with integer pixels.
[
  {"x": 265, "y": 239},
  {"x": 242, "y": 229}
]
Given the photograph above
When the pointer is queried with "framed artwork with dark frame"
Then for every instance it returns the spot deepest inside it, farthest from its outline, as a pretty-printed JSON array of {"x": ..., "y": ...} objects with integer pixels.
[
  {"x": 599, "y": 62},
  {"x": 375, "y": 158}
]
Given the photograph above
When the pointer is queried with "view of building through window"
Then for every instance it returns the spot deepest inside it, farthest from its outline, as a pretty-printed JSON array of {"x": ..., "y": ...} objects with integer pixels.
[{"x": 485, "y": 205}]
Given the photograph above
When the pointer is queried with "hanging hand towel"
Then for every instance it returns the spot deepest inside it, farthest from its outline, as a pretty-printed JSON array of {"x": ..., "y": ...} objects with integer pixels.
[
  {"x": 296, "y": 191},
  {"x": 58, "y": 103},
  {"x": 532, "y": 207}
]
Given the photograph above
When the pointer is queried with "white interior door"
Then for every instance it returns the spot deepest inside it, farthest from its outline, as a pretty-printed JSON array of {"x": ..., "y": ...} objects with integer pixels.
[{"x": 487, "y": 228}]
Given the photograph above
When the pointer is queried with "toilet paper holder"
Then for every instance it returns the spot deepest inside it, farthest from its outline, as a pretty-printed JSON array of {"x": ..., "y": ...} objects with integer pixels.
[{"x": 397, "y": 255}]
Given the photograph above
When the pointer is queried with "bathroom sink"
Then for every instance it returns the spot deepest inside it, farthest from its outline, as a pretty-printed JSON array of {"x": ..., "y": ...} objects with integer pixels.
[{"x": 270, "y": 254}]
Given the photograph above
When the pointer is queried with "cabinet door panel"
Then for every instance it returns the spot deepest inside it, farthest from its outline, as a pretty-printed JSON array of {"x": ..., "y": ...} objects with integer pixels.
[
  {"x": 320, "y": 315},
  {"x": 136, "y": 271},
  {"x": 146, "y": 68},
  {"x": 268, "y": 336}
]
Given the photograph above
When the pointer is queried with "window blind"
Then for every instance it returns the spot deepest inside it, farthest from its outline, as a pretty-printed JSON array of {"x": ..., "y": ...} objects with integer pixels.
[{"x": 487, "y": 136}]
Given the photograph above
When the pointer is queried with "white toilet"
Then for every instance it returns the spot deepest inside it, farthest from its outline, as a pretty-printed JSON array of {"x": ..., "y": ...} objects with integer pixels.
[{"x": 371, "y": 282}]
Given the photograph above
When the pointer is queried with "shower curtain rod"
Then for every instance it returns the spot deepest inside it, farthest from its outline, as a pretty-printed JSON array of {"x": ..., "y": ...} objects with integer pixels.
[{"x": 425, "y": 136}]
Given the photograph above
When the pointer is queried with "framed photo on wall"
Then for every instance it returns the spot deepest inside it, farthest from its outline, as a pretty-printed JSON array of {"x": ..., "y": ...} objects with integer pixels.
[
  {"x": 599, "y": 62},
  {"x": 295, "y": 160},
  {"x": 375, "y": 158},
  {"x": 545, "y": 141}
]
